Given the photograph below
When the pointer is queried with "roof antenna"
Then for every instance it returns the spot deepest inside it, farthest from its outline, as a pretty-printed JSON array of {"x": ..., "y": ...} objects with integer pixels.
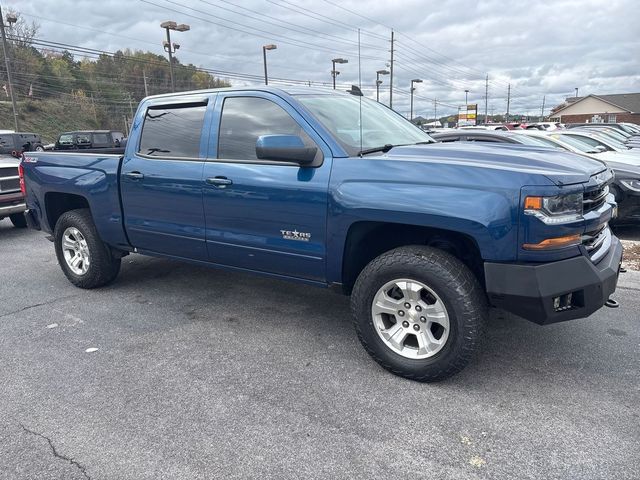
[{"x": 359, "y": 87}]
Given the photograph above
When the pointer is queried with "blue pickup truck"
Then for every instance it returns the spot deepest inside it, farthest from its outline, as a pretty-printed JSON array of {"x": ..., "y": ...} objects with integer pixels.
[{"x": 336, "y": 190}]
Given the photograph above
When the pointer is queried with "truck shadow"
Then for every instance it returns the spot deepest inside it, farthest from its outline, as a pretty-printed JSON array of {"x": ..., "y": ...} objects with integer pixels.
[{"x": 512, "y": 347}]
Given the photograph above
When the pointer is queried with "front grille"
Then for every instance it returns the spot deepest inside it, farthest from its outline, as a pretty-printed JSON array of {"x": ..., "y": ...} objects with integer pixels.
[
  {"x": 597, "y": 242},
  {"x": 594, "y": 199},
  {"x": 9, "y": 180}
]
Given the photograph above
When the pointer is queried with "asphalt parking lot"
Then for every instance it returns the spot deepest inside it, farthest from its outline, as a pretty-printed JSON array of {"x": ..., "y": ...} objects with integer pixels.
[{"x": 200, "y": 373}]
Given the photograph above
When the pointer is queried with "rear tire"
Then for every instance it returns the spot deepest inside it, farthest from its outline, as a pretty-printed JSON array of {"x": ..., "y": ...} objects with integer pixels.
[
  {"x": 18, "y": 220},
  {"x": 84, "y": 258},
  {"x": 419, "y": 312}
]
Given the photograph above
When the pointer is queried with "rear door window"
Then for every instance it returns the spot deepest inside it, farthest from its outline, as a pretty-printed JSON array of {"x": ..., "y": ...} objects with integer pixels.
[
  {"x": 101, "y": 138},
  {"x": 172, "y": 131}
]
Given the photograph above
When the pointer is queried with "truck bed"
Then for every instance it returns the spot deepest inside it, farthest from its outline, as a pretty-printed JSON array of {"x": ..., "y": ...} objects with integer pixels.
[{"x": 89, "y": 178}]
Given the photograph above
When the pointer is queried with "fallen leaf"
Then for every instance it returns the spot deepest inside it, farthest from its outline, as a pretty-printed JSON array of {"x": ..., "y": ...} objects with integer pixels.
[
  {"x": 91, "y": 350},
  {"x": 52, "y": 325},
  {"x": 477, "y": 462}
]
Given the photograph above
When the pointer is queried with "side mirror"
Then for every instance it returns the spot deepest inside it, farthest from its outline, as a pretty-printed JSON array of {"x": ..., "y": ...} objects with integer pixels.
[
  {"x": 600, "y": 149},
  {"x": 285, "y": 148}
]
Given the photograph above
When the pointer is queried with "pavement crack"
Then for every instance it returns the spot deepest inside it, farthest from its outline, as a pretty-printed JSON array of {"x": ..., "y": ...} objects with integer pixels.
[
  {"x": 56, "y": 453},
  {"x": 29, "y": 307}
]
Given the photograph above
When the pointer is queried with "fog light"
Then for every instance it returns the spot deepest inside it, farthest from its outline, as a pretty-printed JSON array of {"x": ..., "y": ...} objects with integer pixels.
[{"x": 563, "y": 302}]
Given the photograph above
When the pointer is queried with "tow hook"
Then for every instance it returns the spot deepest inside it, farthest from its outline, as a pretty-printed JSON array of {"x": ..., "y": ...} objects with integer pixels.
[
  {"x": 611, "y": 303},
  {"x": 622, "y": 269}
]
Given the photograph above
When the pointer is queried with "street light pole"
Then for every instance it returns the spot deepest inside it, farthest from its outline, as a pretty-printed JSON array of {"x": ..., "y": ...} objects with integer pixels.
[
  {"x": 415, "y": 80},
  {"x": 379, "y": 82},
  {"x": 334, "y": 72},
  {"x": 171, "y": 48},
  {"x": 11, "y": 20},
  {"x": 264, "y": 58},
  {"x": 466, "y": 97},
  {"x": 576, "y": 92}
]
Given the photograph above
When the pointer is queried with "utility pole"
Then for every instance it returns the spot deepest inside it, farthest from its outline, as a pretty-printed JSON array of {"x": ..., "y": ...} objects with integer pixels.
[
  {"x": 486, "y": 98},
  {"x": 542, "y": 111},
  {"x": 144, "y": 77},
  {"x": 391, "y": 74},
  {"x": 5, "y": 50},
  {"x": 95, "y": 114},
  {"x": 506, "y": 120},
  {"x": 435, "y": 110}
]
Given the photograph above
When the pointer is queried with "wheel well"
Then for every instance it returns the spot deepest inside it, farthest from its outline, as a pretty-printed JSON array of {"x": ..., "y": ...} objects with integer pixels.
[
  {"x": 58, "y": 203},
  {"x": 367, "y": 240}
]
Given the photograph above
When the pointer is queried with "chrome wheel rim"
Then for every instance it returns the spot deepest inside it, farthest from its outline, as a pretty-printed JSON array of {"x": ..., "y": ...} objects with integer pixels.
[
  {"x": 410, "y": 318},
  {"x": 75, "y": 251}
]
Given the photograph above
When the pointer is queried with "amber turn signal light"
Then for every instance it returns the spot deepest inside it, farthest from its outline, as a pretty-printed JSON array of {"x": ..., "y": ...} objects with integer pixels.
[
  {"x": 533, "y": 203},
  {"x": 551, "y": 243}
]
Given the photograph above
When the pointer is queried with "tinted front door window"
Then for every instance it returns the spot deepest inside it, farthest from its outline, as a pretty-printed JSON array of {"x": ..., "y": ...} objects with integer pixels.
[{"x": 244, "y": 119}]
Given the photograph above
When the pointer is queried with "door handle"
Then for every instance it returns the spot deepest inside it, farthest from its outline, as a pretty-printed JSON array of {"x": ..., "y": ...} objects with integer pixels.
[
  {"x": 134, "y": 175},
  {"x": 219, "y": 182}
]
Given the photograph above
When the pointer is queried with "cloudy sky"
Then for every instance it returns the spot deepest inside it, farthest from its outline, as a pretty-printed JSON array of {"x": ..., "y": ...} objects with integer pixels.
[{"x": 542, "y": 48}]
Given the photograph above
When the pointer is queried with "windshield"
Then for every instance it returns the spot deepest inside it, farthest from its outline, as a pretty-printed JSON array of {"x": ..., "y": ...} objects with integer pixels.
[
  {"x": 340, "y": 114},
  {"x": 574, "y": 142},
  {"x": 547, "y": 142}
]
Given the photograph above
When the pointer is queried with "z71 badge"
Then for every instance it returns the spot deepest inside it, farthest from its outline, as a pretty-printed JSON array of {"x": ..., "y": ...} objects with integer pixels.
[{"x": 295, "y": 235}]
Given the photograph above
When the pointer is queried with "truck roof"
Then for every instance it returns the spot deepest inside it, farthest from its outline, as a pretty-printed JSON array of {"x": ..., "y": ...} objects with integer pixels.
[{"x": 298, "y": 90}]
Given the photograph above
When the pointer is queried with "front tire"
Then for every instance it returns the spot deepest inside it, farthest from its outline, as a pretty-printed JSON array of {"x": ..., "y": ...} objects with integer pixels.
[
  {"x": 84, "y": 258},
  {"x": 419, "y": 312},
  {"x": 18, "y": 220}
]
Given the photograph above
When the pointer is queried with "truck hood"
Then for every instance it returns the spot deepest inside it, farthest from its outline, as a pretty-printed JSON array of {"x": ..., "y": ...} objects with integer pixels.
[
  {"x": 8, "y": 161},
  {"x": 560, "y": 168}
]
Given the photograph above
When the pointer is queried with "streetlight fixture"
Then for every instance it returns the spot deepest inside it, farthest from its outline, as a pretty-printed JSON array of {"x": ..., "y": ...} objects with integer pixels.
[
  {"x": 334, "y": 72},
  {"x": 415, "y": 80},
  {"x": 576, "y": 92},
  {"x": 466, "y": 98},
  {"x": 171, "y": 48},
  {"x": 379, "y": 82},
  {"x": 271, "y": 46},
  {"x": 11, "y": 19}
]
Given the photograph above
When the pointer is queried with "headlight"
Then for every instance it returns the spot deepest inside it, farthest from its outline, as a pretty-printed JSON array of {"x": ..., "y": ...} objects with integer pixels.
[
  {"x": 631, "y": 184},
  {"x": 556, "y": 209}
]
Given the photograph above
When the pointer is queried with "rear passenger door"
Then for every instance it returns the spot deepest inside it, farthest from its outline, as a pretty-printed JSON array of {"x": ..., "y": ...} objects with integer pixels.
[{"x": 161, "y": 180}]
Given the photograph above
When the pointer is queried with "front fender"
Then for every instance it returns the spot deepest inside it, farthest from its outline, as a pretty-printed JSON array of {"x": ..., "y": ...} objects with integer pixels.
[{"x": 489, "y": 215}]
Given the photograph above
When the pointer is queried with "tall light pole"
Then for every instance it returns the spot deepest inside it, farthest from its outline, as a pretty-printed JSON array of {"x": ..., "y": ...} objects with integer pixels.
[
  {"x": 466, "y": 97},
  {"x": 171, "y": 48},
  {"x": 576, "y": 92},
  {"x": 334, "y": 72},
  {"x": 11, "y": 19},
  {"x": 415, "y": 80},
  {"x": 379, "y": 82},
  {"x": 271, "y": 46}
]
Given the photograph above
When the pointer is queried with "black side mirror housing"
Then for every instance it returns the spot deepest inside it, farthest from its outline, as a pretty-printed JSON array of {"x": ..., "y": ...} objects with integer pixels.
[{"x": 285, "y": 148}]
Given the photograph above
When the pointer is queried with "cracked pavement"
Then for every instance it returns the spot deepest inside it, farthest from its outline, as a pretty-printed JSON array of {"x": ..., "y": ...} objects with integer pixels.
[{"x": 205, "y": 374}]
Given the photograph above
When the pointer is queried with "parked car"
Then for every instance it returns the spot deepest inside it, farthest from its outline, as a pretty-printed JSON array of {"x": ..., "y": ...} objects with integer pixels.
[
  {"x": 626, "y": 167},
  {"x": 513, "y": 137},
  {"x": 19, "y": 142},
  {"x": 12, "y": 202},
  {"x": 596, "y": 140},
  {"x": 422, "y": 235},
  {"x": 90, "y": 139}
]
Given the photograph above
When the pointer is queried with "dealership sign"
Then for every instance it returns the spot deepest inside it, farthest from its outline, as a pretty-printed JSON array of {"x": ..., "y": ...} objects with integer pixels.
[{"x": 468, "y": 115}]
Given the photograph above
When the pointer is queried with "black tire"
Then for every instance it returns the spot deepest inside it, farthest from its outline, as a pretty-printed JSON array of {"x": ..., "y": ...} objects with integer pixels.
[
  {"x": 18, "y": 220},
  {"x": 452, "y": 281},
  {"x": 103, "y": 267}
]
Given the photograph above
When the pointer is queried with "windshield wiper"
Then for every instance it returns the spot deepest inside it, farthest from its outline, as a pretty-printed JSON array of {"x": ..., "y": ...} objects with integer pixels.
[
  {"x": 383, "y": 149},
  {"x": 387, "y": 147}
]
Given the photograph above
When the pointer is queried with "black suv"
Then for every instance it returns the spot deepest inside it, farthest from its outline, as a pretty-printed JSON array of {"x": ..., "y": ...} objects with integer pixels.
[
  {"x": 90, "y": 139},
  {"x": 19, "y": 142}
]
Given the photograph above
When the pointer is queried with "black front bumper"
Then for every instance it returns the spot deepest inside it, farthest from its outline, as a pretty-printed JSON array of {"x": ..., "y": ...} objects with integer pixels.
[{"x": 529, "y": 290}]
